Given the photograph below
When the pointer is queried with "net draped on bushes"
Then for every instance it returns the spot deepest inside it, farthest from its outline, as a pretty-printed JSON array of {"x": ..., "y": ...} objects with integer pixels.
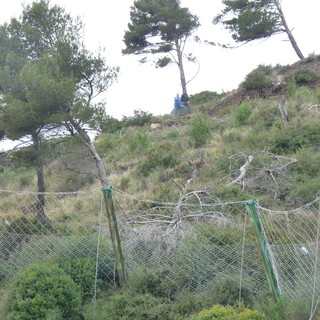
[
  {"x": 193, "y": 243},
  {"x": 293, "y": 242}
]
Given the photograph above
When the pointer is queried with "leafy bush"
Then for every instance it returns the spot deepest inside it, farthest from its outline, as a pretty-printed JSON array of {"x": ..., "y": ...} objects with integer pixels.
[
  {"x": 140, "y": 118},
  {"x": 138, "y": 140},
  {"x": 25, "y": 225},
  {"x": 111, "y": 125},
  {"x": 40, "y": 289},
  {"x": 153, "y": 282},
  {"x": 107, "y": 142},
  {"x": 292, "y": 86},
  {"x": 265, "y": 116},
  {"x": 259, "y": 78},
  {"x": 305, "y": 76},
  {"x": 199, "y": 129},
  {"x": 219, "y": 312},
  {"x": 285, "y": 309},
  {"x": 285, "y": 140},
  {"x": 224, "y": 292},
  {"x": 82, "y": 271},
  {"x": 293, "y": 138},
  {"x": 127, "y": 305},
  {"x": 232, "y": 135},
  {"x": 205, "y": 96},
  {"x": 24, "y": 157},
  {"x": 161, "y": 156},
  {"x": 242, "y": 113},
  {"x": 172, "y": 134}
]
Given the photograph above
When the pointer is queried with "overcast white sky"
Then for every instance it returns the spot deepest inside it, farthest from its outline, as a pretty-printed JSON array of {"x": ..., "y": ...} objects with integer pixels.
[{"x": 149, "y": 89}]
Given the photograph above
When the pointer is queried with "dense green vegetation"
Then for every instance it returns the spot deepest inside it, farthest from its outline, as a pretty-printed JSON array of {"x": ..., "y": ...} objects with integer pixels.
[
  {"x": 156, "y": 164},
  {"x": 234, "y": 146}
]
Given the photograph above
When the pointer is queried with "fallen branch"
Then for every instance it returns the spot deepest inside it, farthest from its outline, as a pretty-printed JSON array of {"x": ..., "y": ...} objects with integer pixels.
[{"x": 243, "y": 171}]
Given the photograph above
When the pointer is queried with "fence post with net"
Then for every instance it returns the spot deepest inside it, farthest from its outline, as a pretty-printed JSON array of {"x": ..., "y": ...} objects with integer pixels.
[
  {"x": 262, "y": 247},
  {"x": 114, "y": 232}
]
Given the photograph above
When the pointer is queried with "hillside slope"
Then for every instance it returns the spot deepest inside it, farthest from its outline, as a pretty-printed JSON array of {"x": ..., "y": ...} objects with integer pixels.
[
  {"x": 278, "y": 85},
  {"x": 206, "y": 150}
]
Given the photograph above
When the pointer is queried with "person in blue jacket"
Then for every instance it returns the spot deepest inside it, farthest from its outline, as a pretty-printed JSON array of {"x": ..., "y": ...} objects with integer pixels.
[{"x": 177, "y": 106}]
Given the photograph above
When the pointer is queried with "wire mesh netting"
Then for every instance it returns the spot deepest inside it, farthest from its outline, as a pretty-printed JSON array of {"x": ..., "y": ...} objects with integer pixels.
[
  {"x": 293, "y": 246},
  {"x": 193, "y": 243},
  {"x": 72, "y": 231}
]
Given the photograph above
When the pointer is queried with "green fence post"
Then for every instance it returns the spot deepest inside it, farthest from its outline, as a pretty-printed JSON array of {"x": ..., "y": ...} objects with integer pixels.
[
  {"x": 251, "y": 208},
  {"x": 114, "y": 232}
]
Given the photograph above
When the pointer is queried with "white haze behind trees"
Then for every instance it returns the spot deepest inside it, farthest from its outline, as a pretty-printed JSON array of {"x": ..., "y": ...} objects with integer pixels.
[{"x": 142, "y": 87}]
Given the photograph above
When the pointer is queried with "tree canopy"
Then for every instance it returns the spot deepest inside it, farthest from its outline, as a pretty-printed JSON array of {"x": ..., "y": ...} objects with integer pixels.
[
  {"x": 160, "y": 27},
  {"x": 48, "y": 79},
  {"x": 249, "y": 20}
]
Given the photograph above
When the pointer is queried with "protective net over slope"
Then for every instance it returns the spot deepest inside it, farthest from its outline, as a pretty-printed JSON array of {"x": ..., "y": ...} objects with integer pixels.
[
  {"x": 192, "y": 243},
  {"x": 189, "y": 244},
  {"x": 293, "y": 245}
]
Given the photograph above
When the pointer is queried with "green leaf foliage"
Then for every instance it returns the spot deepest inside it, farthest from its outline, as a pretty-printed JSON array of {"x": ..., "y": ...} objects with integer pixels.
[
  {"x": 40, "y": 289},
  {"x": 242, "y": 114},
  {"x": 151, "y": 18},
  {"x": 250, "y": 20},
  {"x": 199, "y": 129},
  {"x": 219, "y": 312},
  {"x": 157, "y": 27}
]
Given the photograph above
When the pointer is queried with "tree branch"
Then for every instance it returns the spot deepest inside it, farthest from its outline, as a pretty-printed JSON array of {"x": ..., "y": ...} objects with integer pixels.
[{"x": 243, "y": 171}]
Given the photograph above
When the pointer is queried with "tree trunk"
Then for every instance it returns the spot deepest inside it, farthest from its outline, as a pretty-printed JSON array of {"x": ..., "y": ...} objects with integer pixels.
[
  {"x": 112, "y": 220},
  {"x": 102, "y": 172},
  {"x": 288, "y": 31},
  {"x": 180, "y": 65},
  {"x": 40, "y": 180}
]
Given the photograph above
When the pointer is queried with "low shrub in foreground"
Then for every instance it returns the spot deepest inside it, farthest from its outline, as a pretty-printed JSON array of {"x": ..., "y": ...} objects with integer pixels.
[
  {"x": 219, "y": 312},
  {"x": 42, "y": 290}
]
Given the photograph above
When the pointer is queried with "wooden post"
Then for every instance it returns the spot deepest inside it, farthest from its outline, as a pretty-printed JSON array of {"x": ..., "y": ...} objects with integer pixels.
[
  {"x": 114, "y": 232},
  {"x": 262, "y": 246}
]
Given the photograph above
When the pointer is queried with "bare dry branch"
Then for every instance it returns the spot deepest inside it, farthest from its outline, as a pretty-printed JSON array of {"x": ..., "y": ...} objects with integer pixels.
[{"x": 243, "y": 171}]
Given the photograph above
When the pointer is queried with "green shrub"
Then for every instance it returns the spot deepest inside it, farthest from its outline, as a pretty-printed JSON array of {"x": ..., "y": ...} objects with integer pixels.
[
  {"x": 150, "y": 281},
  {"x": 111, "y": 125},
  {"x": 8, "y": 175},
  {"x": 242, "y": 113},
  {"x": 124, "y": 182},
  {"x": 82, "y": 271},
  {"x": 205, "y": 96},
  {"x": 286, "y": 139},
  {"x": 219, "y": 312},
  {"x": 172, "y": 134},
  {"x": 138, "y": 140},
  {"x": 232, "y": 135},
  {"x": 128, "y": 305},
  {"x": 161, "y": 156},
  {"x": 303, "y": 95},
  {"x": 24, "y": 157},
  {"x": 285, "y": 309},
  {"x": 292, "y": 138},
  {"x": 259, "y": 78},
  {"x": 106, "y": 143},
  {"x": 68, "y": 181},
  {"x": 40, "y": 289},
  {"x": 224, "y": 292},
  {"x": 199, "y": 129},
  {"x": 264, "y": 117},
  {"x": 305, "y": 76},
  {"x": 292, "y": 86},
  {"x": 25, "y": 225},
  {"x": 140, "y": 118},
  {"x": 53, "y": 248}
]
